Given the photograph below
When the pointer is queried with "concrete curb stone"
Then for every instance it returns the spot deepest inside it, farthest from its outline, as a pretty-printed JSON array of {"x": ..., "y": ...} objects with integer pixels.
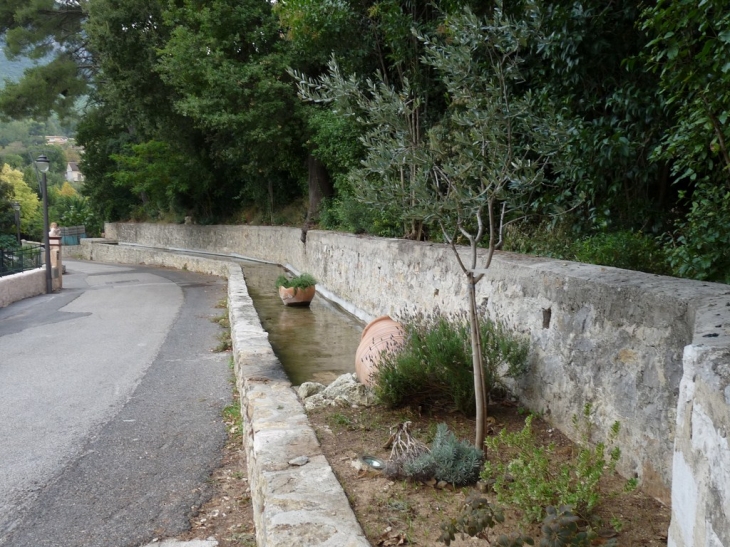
[{"x": 293, "y": 505}]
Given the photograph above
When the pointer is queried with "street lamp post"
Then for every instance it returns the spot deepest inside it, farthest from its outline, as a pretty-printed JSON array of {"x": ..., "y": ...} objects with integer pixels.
[
  {"x": 16, "y": 208},
  {"x": 43, "y": 164}
]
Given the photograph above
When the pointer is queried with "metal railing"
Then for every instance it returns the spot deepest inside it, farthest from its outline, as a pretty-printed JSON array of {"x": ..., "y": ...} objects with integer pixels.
[{"x": 14, "y": 261}]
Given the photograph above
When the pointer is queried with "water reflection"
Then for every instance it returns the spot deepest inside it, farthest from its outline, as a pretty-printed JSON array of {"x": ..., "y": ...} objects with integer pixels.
[{"x": 317, "y": 343}]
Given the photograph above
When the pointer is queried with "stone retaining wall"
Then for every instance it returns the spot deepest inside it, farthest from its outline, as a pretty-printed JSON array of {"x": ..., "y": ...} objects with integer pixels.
[{"x": 619, "y": 340}]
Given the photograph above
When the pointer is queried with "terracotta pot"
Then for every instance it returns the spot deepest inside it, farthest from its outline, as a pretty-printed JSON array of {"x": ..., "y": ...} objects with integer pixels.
[
  {"x": 380, "y": 335},
  {"x": 296, "y": 297}
]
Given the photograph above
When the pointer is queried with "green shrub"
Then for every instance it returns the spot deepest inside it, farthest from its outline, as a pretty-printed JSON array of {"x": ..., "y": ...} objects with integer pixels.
[
  {"x": 624, "y": 249},
  {"x": 434, "y": 368},
  {"x": 523, "y": 474},
  {"x": 541, "y": 239},
  {"x": 348, "y": 214},
  {"x": 451, "y": 460},
  {"x": 8, "y": 243},
  {"x": 628, "y": 250},
  {"x": 700, "y": 248}
]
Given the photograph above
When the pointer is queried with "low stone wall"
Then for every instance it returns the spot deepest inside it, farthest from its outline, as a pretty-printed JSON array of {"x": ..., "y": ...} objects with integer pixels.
[
  {"x": 619, "y": 340},
  {"x": 16, "y": 287},
  {"x": 294, "y": 504},
  {"x": 23, "y": 285}
]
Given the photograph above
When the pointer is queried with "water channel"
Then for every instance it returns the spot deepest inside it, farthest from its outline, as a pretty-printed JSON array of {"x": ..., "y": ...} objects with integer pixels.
[{"x": 315, "y": 343}]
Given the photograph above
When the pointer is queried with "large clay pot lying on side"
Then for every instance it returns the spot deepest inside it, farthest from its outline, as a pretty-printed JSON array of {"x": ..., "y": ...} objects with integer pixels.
[
  {"x": 296, "y": 297},
  {"x": 380, "y": 335}
]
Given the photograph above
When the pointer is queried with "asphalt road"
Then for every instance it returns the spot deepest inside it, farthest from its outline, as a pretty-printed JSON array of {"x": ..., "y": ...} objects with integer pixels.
[{"x": 110, "y": 407}]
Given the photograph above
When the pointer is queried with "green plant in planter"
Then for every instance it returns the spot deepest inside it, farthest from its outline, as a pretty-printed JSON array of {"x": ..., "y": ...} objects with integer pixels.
[{"x": 302, "y": 281}]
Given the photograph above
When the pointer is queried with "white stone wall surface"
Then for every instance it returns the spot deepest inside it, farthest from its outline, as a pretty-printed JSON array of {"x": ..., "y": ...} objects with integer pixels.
[
  {"x": 612, "y": 338},
  {"x": 701, "y": 472},
  {"x": 22, "y": 285}
]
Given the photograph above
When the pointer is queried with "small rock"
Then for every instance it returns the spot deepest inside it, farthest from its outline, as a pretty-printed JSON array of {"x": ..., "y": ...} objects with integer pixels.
[
  {"x": 307, "y": 389},
  {"x": 348, "y": 388},
  {"x": 341, "y": 402},
  {"x": 345, "y": 391},
  {"x": 299, "y": 460},
  {"x": 317, "y": 400}
]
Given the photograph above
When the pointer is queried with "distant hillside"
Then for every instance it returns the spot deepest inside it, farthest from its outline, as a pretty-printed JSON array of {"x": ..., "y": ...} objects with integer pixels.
[{"x": 12, "y": 70}]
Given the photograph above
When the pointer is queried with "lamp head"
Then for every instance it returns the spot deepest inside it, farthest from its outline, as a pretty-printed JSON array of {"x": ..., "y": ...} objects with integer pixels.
[{"x": 42, "y": 163}]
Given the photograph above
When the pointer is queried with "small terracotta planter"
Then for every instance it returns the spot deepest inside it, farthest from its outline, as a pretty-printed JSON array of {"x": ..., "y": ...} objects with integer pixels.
[
  {"x": 381, "y": 334},
  {"x": 297, "y": 297}
]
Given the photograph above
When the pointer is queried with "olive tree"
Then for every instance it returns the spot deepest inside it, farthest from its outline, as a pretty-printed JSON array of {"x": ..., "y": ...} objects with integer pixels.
[
  {"x": 469, "y": 173},
  {"x": 487, "y": 154},
  {"x": 395, "y": 165}
]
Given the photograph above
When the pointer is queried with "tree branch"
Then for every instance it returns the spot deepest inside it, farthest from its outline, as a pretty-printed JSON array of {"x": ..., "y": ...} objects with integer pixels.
[
  {"x": 452, "y": 243},
  {"x": 718, "y": 132}
]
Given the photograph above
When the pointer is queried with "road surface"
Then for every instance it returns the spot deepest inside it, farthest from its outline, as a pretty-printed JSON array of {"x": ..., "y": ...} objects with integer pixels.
[{"x": 110, "y": 407}]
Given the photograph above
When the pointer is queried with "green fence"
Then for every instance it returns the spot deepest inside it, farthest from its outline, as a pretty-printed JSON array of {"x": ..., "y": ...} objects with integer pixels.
[
  {"x": 70, "y": 235},
  {"x": 19, "y": 260}
]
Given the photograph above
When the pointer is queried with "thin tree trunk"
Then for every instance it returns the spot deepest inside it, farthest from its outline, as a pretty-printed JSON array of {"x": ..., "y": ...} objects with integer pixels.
[
  {"x": 320, "y": 187},
  {"x": 476, "y": 352}
]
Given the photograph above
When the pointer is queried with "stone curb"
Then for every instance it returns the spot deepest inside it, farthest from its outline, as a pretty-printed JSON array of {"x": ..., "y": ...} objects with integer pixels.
[
  {"x": 301, "y": 505},
  {"x": 293, "y": 505}
]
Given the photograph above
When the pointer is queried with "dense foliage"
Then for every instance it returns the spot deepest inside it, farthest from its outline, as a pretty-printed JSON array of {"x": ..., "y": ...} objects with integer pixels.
[
  {"x": 614, "y": 116},
  {"x": 20, "y": 143},
  {"x": 12, "y": 70},
  {"x": 51, "y": 31}
]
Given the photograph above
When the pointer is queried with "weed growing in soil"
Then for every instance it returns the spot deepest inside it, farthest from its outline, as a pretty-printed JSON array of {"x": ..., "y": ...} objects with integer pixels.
[
  {"x": 523, "y": 474},
  {"x": 560, "y": 527},
  {"x": 233, "y": 420},
  {"x": 224, "y": 338},
  {"x": 340, "y": 419}
]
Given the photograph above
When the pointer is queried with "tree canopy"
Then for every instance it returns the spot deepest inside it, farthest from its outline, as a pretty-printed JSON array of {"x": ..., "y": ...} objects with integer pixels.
[
  {"x": 192, "y": 110},
  {"x": 39, "y": 29}
]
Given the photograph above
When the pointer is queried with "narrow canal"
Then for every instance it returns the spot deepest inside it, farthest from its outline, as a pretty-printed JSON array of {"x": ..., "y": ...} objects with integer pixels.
[{"x": 315, "y": 343}]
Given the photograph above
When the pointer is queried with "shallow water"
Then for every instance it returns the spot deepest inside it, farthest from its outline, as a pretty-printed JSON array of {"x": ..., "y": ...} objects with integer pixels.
[{"x": 314, "y": 344}]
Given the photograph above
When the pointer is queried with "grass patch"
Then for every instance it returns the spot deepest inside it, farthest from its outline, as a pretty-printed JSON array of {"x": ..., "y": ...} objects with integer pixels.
[
  {"x": 233, "y": 419},
  {"x": 225, "y": 343}
]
